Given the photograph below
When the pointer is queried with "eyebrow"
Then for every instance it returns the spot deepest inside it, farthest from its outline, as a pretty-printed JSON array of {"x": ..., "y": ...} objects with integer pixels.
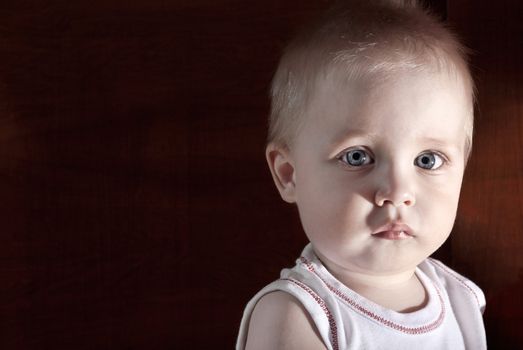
[
  {"x": 438, "y": 141},
  {"x": 351, "y": 134},
  {"x": 363, "y": 134}
]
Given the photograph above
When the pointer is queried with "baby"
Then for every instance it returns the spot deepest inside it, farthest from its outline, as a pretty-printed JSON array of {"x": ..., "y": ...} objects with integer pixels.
[{"x": 370, "y": 131}]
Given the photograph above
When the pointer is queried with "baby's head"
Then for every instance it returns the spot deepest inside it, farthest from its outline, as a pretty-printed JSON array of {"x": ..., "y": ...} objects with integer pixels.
[
  {"x": 362, "y": 40},
  {"x": 370, "y": 130}
]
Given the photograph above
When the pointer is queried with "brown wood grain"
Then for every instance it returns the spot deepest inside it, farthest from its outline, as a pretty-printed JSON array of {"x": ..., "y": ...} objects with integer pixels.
[
  {"x": 488, "y": 239},
  {"x": 135, "y": 196}
]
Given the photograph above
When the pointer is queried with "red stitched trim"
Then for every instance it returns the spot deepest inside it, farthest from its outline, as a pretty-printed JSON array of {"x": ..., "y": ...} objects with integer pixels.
[
  {"x": 323, "y": 305},
  {"x": 409, "y": 330},
  {"x": 455, "y": 276}
]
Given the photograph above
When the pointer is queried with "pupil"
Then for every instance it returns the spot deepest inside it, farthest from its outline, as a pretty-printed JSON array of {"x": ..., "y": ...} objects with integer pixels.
[
  {"x": 426, "y": 161},
  {"x": 356, "y": 156}
]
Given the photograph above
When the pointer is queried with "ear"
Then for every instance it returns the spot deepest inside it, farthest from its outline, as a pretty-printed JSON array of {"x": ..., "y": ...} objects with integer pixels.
[{"x": 283, "y": 171}]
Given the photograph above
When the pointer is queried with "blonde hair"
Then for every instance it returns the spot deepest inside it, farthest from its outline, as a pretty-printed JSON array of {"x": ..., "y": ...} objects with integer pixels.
[{"x": 361, "y": 39}]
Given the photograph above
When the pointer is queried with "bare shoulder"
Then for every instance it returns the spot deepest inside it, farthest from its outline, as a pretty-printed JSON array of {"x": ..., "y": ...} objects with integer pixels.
[{"x": 279, "y": 321}]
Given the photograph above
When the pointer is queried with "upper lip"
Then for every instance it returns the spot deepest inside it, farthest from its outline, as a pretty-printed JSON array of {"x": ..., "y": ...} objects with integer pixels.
[{"x": 395, "y": 226}]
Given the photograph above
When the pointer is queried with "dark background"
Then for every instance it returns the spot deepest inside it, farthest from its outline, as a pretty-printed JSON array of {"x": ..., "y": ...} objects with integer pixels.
[{"x": 136, "y": 208}]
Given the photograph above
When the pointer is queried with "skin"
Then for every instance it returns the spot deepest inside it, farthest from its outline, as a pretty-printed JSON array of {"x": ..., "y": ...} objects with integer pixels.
[
  {"x": 279, "y": 321},
  {"x": 394, "y": 126}
]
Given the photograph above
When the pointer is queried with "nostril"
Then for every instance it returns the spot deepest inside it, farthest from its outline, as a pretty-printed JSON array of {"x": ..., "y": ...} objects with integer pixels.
[
  {"x": 394, "y": 199},
  {"x": 409, "y": 202}
]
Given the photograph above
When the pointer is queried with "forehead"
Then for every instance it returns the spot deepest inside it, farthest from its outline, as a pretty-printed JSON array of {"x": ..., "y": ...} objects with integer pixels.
[{"x": 420, "y": 104}]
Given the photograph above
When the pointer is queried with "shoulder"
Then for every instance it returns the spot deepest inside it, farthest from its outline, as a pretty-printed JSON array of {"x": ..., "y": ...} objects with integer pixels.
[
  {"x": 453, "y": 282},
  {"x": 279, "y": 321}
]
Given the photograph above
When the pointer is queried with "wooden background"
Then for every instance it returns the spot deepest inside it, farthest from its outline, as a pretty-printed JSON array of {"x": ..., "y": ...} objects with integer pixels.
[{"x": 137, "y": 211}]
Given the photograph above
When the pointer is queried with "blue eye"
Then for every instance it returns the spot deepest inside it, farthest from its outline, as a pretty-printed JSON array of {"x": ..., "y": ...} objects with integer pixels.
[
  {"x": 429, "y": 161},
  {"x": 356, "y": 157}
]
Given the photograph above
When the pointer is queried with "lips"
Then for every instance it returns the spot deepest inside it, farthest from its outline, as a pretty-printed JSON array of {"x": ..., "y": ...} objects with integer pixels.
[{"x": 394, "y": 231}]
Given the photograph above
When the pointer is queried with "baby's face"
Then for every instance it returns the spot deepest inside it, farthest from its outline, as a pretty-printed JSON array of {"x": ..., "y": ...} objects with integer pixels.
[{"x": 378, "y": 171}]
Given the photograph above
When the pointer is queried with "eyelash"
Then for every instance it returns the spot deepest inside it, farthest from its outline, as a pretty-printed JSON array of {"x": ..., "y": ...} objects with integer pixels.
[{"x": 442, "y": 157}]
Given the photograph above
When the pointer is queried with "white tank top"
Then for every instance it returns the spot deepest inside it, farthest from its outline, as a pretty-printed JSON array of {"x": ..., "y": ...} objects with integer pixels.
[{"x": 452, "y": 318}]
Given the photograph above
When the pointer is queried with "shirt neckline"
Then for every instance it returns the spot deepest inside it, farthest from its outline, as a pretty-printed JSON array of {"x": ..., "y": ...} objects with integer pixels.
[{"x": 424, "y": 320}]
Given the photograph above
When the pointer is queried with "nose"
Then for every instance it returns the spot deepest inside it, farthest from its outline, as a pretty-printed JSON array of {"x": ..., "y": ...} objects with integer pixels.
[{"x": 396, "y": 189}]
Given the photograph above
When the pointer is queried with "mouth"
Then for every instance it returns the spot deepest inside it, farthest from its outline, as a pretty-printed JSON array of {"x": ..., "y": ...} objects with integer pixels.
[{"x": 394, "y": 231}]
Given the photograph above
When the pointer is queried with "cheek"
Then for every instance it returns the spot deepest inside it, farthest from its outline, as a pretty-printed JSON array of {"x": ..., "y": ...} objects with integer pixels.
[
  {"x": 332, "y": 207},
  {"x": 443, "y": 189},
  {"x": 440, "y": 207},
  {"x": 329, "y": 191}
]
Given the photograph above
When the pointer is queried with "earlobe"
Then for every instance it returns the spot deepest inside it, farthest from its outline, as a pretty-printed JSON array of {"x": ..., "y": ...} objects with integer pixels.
[{"x": 282, "y": 170}]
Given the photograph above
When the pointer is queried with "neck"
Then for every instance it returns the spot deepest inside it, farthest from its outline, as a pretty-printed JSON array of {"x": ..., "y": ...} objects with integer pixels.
[
  {"x": 389, "y": 281},
  {"x": 354, "y": 275},
  {"x": 397, "y": 290}
]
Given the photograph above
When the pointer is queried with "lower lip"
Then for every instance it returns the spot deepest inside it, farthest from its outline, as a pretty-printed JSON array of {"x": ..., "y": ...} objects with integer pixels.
[{"x": 392, "y": 235}]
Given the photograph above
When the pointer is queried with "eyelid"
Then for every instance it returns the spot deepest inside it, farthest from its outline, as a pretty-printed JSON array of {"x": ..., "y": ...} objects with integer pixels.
[
  {"x": 438, "y": 153},
  {"x": 444, "y": 159},
  {"x": 354, "y": 148}
]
